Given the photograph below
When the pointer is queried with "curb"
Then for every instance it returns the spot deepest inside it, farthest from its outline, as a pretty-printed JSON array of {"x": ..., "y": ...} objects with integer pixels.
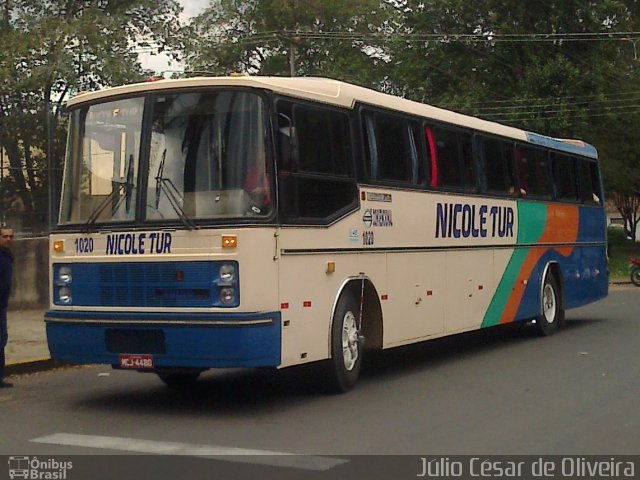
[{"x": 33, "y": 366}]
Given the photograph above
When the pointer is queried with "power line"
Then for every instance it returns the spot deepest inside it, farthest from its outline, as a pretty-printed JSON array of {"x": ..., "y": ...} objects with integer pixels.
[
  {"x": 472, "y": 37},
  {"x": 575, "y": 99},
  {"x": 567, "y": 112}
]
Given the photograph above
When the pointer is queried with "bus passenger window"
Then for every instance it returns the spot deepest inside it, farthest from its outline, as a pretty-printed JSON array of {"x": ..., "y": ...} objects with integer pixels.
[
  {"x": 393, "y": 149},
  {"x": 433, "y": 155},
  {"x": 314, "y": 163},
  {"x": 497, "y": 166},
  {"x": 589, "y": 182},
  {"x": 533, "y": 171},
  {"x": 564, "y": 177},
  {"x": 322, "y": 140},
  {"x": 454, "y": 154}
]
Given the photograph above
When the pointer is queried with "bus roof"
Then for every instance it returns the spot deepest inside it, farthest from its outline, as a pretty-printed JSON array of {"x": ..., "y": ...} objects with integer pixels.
[{"x": 341, "y": 94}]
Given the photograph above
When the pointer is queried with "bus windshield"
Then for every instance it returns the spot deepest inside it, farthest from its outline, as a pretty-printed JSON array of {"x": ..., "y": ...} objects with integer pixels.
[{"x": 205, "y": 159}]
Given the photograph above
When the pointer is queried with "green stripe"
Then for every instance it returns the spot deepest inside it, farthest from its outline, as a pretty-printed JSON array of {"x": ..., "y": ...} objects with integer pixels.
[{"x": 532, "y": 219}]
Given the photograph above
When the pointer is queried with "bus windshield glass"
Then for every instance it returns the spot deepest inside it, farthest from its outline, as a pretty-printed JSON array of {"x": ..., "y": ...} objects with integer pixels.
[
  {"x": 204, "y": 156},
  {"x": 102, "y": 163}
]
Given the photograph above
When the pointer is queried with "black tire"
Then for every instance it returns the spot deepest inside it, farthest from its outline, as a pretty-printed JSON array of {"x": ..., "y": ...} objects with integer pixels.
[
  {"x": 635, "y": 275},
  {"x": 346, "y": 346},
  {"x": 552, "y": 308},
  {"x": 179, "y": 380}
]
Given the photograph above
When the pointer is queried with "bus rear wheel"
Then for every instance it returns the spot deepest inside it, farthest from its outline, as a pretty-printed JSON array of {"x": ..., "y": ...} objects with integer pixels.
[
  {"x": 552, "y": 308},
  {"x": 346, "y": 346}
]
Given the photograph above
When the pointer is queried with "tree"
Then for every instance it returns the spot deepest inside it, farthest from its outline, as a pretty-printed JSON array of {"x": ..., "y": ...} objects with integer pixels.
[
  {"x": 282, "y": 37},
  {"x": 567, "y": 69},
  {"x": 54, "y": 48}
]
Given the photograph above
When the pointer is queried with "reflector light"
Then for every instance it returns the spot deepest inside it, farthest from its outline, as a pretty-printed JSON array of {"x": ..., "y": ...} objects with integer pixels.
[
  {"x": 229, "y": 241},
  {"x": 58, "y": 246}
]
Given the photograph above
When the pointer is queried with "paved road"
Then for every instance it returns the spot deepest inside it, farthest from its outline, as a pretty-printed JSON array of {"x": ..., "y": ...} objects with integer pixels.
[{"x": 503, "y": 391}]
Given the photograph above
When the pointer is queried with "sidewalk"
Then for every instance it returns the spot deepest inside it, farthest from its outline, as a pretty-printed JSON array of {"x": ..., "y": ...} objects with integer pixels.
[{"x": 27, "y": 349}]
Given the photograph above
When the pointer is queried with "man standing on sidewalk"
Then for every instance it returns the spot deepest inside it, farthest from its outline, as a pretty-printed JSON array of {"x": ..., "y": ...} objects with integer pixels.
[{"x": 6, "y": 274}]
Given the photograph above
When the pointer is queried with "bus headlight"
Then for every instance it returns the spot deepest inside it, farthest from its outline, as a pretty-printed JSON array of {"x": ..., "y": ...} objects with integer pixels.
[
  {"x": 227, "y": 295},
  {"x": 64, "y": 296},
  {"x": 227, "y": 273},
  {"x": 64, "y": 275}
]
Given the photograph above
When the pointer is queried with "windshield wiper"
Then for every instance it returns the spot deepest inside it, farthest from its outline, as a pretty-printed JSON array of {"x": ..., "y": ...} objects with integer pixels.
[
  {"x": 166, "y": 186},
  {"x": 127, "y": 186}
]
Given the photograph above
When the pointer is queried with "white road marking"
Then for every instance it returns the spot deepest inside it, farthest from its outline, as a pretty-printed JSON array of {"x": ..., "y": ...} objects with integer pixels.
[{"x": 229, "y": 454}]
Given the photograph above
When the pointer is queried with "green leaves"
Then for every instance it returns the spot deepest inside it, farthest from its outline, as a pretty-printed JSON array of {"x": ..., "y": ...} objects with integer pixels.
[
  {"x": 278, "y": 37},
  {"x": 53, "y": 48},
  {"x": 567, "y": 68}
]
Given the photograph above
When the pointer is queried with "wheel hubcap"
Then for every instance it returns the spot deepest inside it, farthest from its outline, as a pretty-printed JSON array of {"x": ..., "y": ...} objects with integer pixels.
[
  {"x": 549, "y": 303},
  {"x": 349, "y": 341}
]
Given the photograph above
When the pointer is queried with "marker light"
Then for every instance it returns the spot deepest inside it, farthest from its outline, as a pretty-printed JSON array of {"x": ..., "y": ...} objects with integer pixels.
[
  {"x": 229, "y": 241},
  {"x": 58, "y": 246}
]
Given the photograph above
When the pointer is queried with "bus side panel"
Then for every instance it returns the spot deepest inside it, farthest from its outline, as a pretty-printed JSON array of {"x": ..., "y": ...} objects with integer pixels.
[
  {"x": 586, "y": 275},
  {"x": 307, "y": 296},
  {"x": 551, "y": 234},
  {"x": 469, "y": 285},
  {"x": 416, "y": 297}
]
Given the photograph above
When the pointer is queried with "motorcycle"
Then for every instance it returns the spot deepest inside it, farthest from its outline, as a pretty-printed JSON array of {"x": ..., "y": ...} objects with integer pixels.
[{"x": 634, "y": 271}]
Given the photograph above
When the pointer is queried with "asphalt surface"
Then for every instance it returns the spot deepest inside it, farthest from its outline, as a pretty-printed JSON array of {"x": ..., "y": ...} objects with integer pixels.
[{"x": 27, "y": 350}]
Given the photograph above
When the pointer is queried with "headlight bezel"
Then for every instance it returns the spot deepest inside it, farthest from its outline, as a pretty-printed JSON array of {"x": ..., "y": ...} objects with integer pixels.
[
  {"x": 65, "y": 275},
  {"x": 227, "y": 273},
  {"x": 65, "y": 296},
  {"x": 227, "y": 296}
]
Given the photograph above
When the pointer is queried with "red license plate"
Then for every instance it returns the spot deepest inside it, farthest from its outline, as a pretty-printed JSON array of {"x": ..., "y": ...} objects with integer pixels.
[{"x": 135, "y": 361}]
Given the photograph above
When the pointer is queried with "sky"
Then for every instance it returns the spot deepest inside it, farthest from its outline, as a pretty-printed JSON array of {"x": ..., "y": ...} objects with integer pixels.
[{"x": 160, "y": 63}]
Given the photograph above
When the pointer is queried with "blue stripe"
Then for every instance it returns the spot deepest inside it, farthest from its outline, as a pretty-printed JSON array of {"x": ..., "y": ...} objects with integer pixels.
[{"x": 586, "y": 151}]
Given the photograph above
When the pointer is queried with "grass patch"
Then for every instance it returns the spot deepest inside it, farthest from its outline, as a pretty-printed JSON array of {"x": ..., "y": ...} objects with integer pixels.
[{"x": 620, "y": 249}]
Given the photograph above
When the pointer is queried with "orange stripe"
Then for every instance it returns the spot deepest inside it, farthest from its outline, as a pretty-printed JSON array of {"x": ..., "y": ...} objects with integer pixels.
[{"x": 562, "y": 227}]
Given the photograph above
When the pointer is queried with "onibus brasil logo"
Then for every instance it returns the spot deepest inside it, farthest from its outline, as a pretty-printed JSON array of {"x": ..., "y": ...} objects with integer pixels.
[{"x": 38, "y": 469}]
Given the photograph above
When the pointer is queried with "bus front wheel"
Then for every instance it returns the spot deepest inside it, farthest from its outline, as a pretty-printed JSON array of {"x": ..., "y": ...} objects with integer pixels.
[
  {"x": 346, "y": 345},
  {"x": 552, "y": 308}
]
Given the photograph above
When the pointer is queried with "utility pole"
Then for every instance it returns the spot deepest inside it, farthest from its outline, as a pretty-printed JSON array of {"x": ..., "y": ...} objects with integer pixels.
[
  {"x": 292, "y": 60},
  {"x": 50, "y": 166}
]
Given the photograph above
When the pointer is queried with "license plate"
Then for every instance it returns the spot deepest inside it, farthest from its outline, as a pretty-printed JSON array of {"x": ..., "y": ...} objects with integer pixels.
[{"x": 135, "y": 361}]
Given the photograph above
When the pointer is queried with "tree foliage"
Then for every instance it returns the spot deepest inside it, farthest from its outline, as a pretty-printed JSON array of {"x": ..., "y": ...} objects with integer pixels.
[
  {"x": 281, "y": 37},
  {"x": 53, "y": 48},
  {"x": 565, "y": 68}
]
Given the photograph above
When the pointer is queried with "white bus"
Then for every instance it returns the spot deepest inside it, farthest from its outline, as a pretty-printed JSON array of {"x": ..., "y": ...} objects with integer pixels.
[{"x": 270, "y": 222}]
